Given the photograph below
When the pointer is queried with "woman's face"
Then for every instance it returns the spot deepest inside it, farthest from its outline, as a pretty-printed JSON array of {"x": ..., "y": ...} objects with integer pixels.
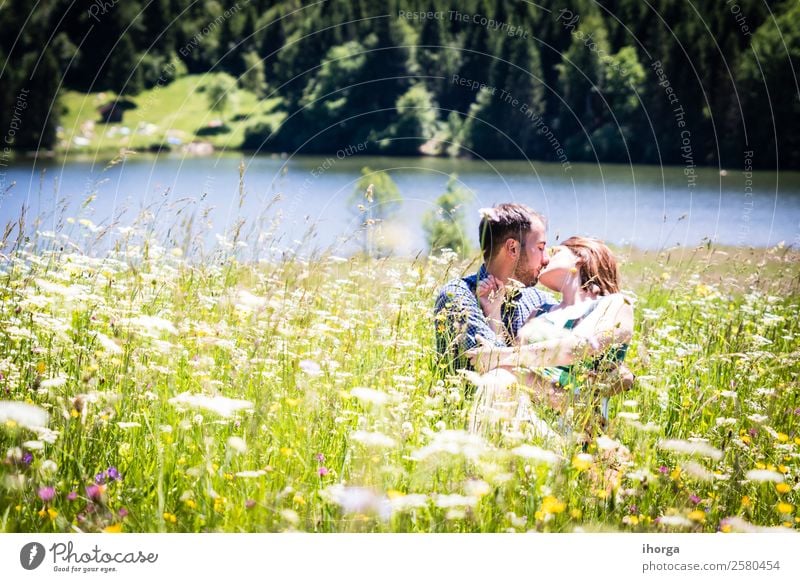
[{"x": 563, "y": 264}]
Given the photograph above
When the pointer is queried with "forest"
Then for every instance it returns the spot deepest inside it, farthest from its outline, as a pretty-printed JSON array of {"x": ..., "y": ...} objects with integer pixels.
[{"x": 622, "y": 81}]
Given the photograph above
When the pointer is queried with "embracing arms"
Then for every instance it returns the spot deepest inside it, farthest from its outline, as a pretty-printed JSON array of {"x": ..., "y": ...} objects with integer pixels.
[
  {"x": 609, "y": 324},
  {"x": 459, "y": 321}
]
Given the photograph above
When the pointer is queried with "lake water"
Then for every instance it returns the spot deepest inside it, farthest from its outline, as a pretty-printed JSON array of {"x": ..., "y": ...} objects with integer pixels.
[{"x": 644, "y": 206}]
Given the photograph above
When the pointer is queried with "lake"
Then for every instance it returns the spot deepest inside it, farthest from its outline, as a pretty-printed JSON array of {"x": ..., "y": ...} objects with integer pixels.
[{"x": 645, "y": 206}]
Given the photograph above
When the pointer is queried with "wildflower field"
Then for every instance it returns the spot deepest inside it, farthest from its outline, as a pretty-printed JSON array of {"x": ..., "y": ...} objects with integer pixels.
[{"x": 141, "y": 391}]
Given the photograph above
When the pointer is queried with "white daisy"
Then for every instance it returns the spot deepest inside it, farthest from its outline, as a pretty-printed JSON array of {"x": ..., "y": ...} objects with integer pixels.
[
  {"x": 698, "y": 449},
  {"x": 220, "y": 404},
  {"x": 26, "y": 415}
]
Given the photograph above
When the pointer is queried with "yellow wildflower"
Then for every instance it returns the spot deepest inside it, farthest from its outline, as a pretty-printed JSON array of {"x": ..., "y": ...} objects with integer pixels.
[
  {"x": 783, "y": 488},
  {"x": 697, "y": 515},
  {"x": 48, "y": 512},
  {"x": 116, "y": 528},
  {"x": 170, "y": 517},
  {"x": 630, "y": 520},
  {"x": 219, "y": 504},
  {"x": 582, "y": 462},
  {"x": 784, "y": 507},
  {"x": 702, "y": 290},
  {"x": 552, "y": 505}
]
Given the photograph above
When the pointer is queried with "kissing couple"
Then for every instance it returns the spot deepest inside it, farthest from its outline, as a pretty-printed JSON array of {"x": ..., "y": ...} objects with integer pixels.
[{"x": 522, "y": 347}]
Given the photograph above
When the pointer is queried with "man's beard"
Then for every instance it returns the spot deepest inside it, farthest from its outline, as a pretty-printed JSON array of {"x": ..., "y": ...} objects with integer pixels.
[{"x": 525, "y": 275}]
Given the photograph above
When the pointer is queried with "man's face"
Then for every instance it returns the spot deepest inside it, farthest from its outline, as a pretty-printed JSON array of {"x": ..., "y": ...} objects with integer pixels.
[{"x": 533, "y": 256}]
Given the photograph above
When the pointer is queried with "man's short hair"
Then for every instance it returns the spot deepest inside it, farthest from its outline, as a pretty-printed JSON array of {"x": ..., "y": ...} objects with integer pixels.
[{"x": 505, "y": 221}]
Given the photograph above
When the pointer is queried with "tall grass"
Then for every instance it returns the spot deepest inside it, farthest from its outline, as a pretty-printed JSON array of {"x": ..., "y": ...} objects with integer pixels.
[{"x": 325, "y": 408}]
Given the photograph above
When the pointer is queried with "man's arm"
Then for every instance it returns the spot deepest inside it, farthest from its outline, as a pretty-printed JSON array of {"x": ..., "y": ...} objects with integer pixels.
[{"x": 459, "y": 321}]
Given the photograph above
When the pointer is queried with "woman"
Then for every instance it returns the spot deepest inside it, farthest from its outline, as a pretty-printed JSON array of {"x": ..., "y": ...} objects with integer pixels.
[{"x": 559, "y": 351}]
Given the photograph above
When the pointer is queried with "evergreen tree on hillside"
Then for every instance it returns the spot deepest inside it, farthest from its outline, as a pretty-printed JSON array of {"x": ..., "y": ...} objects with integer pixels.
[
  {"x": 41, "y": 116},
  {"x": 271, "y": 38},
  {"x": 580, "y": 77},
  {"x": 253, "y": 78},
  {"x": 768, "y": 83},
  {"x": 123, "y": 75},
  {"x": 436, "y": 61},
  {"x": 509, "y": 107},
  {"x": 325, "y": 101},
  {"x": 157, "y": 25},
  {"x": 414, "y": 123},
  {"x": 476, "y": 61}
]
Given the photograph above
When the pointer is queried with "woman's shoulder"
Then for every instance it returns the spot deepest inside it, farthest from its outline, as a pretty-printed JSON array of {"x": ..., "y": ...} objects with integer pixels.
[
  {"x": 617, "y": 307},
  {"x": 619, "y": 300}
]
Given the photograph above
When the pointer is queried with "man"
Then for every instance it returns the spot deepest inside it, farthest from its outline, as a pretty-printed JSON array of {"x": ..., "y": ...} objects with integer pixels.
[{"x": 513, "y": 243}]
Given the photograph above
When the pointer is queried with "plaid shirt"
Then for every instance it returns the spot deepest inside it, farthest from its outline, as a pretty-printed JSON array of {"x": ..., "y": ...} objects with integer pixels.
[{"x": 459, "y": 319}]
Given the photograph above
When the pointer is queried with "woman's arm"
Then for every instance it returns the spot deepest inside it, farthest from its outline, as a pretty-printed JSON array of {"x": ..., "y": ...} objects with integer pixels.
[{"x": 610, "y": 323}]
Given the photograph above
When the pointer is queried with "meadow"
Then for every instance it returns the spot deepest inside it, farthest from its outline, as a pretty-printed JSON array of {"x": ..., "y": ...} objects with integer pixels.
[
  {"x": 164, "y": 116},
  {"x": 144, "y": 390}
]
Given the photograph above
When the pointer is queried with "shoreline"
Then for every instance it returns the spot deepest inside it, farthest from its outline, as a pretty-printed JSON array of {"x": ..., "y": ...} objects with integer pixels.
[{"x": 109, "y": 154}]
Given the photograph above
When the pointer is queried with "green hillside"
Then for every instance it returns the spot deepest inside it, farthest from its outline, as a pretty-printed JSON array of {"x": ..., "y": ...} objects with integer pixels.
[{"x": 168, "y": 116}]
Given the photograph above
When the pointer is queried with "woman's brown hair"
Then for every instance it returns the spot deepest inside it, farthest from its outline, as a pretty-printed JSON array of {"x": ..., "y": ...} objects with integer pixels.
[{"x": 596, "y": 264}]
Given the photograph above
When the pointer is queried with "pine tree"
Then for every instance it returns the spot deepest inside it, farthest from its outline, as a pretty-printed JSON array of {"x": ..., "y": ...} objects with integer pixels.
[
  {"x": 768, "y": 84},
  {"x": 501, "y": 122},
  {"x": 157, "y": 19},
  {"x": 580, "y": 79},
  {"x": 123, "y": 76},
  {"x": 475, "y": 63},
  {"x": 41, "y": 116}
]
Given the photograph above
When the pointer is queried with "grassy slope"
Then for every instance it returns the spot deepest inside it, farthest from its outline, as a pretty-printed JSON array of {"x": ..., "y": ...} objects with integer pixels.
[{"x": 179, "y": 109}]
